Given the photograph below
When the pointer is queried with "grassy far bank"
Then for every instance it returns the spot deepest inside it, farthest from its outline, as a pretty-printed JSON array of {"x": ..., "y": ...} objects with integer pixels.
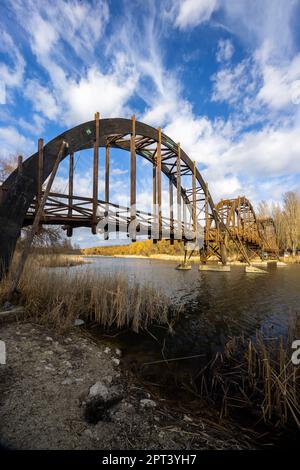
[
  {"x": 139, "y": 248},
  {"x": 161, "y": 250}
]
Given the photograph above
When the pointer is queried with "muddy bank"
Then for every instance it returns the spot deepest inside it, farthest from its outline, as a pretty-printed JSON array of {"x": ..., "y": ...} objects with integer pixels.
[{"x": 70, "y": 392}]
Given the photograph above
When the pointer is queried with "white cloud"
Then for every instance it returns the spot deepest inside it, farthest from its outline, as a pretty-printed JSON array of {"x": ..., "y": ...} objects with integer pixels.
[
  {"x": 42, "y": 99},
  {"x": 13, "y": 143},
  {"x": 11, "y": 76},
  {"x": 225, "y": 50},
  {"x": 280, "y": 84},
  {"x": 107, "y": 93},
  {"x": 190, "y": 13}
]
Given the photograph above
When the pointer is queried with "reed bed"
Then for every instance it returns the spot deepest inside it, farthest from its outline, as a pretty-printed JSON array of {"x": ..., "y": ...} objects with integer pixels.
[
  {"x": 57, "y": 298},
  {"x": 257, "y": 377}
]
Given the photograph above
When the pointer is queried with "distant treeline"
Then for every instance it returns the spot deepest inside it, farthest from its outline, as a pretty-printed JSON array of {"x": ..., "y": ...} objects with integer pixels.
[{"x": 141, "y": 248}]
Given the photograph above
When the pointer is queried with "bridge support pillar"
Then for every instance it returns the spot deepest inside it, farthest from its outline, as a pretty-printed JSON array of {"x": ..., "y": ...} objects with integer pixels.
[{"x": 214, "y": 267}]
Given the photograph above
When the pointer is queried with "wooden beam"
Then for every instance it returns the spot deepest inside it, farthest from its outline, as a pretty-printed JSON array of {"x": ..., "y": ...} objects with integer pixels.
[
  {"x": 71, "y": 185},
  {"x": 96, "y": 173},
  {"x": 40, "y": 170},
  {"x": 194, "y": 200},
  {"x": 207, "y": 216},
  {"x": 20, "y": 164},
  {"x": 133, "y": 182},
  {"x": 154, "y": 198},
  {"x": 178, "y": 178},
  {"x": 158, "y": 152},
  {"x": 171, "y": 211},
  {"x": 107, "y": 163}
]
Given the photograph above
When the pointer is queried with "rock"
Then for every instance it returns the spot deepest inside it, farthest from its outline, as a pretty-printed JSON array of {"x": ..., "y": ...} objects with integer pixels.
[
  {"x": 116, "y": 361},
  {"x": 67, "y": 381},
  {"x": 146, "y": 403},
  {"x": 118, "y": 352},
  {"x": 79, "y": 322},
  {"x": 48, "y": 338},
  {"x": 107, "y": 350},
  {"x": 99, "y": 390}
]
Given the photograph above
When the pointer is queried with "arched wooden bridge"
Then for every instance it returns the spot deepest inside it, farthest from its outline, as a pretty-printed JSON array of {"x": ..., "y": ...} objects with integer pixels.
[{"x": 192, "y": 214}]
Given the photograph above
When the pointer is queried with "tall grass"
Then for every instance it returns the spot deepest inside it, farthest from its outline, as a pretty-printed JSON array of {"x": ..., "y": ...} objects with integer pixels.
[
  {"x": 56, "y": 298},
  {"x": 256, "y": 376}
]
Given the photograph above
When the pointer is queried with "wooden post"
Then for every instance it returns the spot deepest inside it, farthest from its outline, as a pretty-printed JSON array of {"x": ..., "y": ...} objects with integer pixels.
[
  {"x": 71, "y": 185},
  {"x": 40, "y": 170},
  {"x": 207, "y": 216},
  {"x": 239, "y": 216},
  {"x": 171, "y": 211},
  {"x": 20, "y": 163},
  {"x": 159, "y": 184},
  {"x": 96, "y": 173},
  {"x": 35, "y": 226},
  {"x": 154, "y": 199},
  {"x": 194, "y": 200},
  {"x": 107, "y": 157},
  {"x": 178, "y": 177},
  {"x": 133, "y": 182}
]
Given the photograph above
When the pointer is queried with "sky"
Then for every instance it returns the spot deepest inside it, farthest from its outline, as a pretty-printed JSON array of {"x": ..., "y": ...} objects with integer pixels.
[{"x": 222, "y": 77}]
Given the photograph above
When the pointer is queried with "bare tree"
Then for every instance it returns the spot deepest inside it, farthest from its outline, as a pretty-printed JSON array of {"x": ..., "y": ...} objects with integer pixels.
[
  {"x": 291, "y": 208},
  {"x": 263, "y": 210}
]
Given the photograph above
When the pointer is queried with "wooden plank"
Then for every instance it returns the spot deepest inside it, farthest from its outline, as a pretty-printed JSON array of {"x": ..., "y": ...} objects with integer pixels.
[
  {"x": 35, "y": 225},
  {"x": 158, "y": 153},
  {"x": 132, "y": 182},
  {"x": 96, "y": 173},
  {"x": 178, "y": 178},
  {"x": 71, "y": 185}
]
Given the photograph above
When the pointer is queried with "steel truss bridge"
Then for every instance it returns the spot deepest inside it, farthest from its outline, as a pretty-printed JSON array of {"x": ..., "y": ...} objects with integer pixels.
[{"x": 217, "y": 228}]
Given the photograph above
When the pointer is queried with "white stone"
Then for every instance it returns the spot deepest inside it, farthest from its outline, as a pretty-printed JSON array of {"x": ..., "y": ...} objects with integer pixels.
[
  {"x": 116, "y": 361},
  {"x": 146, "y": 403},
  {"x": 48, "y": 338},
  {"x": 118, "y": 352},
  {"x": 78, "y": 322},
  {"x": 99, "y": 390},
  {"x": 107, "y": 350}
]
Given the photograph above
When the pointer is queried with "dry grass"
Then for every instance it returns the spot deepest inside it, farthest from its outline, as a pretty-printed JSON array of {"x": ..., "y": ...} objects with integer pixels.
[
  {"x": 56, "y": 298},
  {"x": 58, "y": 260},
  {"x": 256, "y": 376}
]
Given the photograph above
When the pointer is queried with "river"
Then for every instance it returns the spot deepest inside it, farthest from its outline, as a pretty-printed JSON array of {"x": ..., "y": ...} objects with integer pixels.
[{"x": 216, "y": 305}]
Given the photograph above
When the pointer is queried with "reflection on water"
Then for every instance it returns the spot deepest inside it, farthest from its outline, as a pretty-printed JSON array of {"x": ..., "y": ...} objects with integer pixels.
[{"x": 216, "y": 305}]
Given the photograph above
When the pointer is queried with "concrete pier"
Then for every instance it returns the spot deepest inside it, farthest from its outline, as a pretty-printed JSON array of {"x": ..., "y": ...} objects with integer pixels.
[
  {"x": 184, "y": 267},
  {"x": 253, "y": 269},
  {"x": 214, "y": 267}
]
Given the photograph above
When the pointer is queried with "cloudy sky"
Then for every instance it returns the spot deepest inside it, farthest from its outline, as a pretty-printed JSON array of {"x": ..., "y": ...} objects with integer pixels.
[{"x": 220, "y": 76}]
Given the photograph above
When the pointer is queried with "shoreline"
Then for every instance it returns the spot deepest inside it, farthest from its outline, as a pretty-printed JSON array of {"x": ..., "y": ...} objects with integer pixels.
[{"x": 72, "y": 392}]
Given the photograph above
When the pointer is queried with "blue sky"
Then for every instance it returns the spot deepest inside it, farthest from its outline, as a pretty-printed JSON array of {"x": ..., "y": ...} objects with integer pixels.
[{"x": 220, "y": 76}]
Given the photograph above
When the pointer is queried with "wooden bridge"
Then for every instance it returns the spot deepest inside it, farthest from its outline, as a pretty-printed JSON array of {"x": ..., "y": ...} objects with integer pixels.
[{"x": 192, "y": 215}]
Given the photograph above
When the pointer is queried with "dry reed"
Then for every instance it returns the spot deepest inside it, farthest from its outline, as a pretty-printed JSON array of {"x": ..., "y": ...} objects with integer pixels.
[
  {"x": 257, "y": 376},
  {"x": 58, "y": 297}
]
